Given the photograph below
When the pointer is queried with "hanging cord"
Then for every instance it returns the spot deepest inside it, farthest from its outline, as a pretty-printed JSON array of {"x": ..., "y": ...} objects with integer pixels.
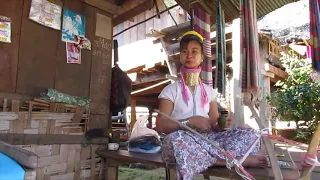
[{"x": 295, "y": 167}]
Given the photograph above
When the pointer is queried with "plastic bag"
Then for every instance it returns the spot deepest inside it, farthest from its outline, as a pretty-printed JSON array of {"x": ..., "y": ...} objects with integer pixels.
[{"x": 143, "y": 139}]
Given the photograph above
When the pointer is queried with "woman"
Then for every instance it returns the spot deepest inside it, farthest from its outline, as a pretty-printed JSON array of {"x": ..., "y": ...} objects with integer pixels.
[{"x": 194, "y": 104}]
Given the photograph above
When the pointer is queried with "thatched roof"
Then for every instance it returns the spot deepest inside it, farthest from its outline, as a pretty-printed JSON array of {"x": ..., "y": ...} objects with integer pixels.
[{"x": 288, "y": 22}]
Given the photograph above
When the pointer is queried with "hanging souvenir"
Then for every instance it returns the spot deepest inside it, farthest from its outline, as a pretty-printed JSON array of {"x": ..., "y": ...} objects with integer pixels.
[
  {"x": 5, "y": 29},
  {"x": 46, "y": 13},
  {"x": 73, "y": 25},
  {"x": 73, "y": 53}
]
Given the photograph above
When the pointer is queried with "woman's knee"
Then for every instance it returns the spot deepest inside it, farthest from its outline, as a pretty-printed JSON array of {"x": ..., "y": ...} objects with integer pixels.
[{"x": 172, "y": 136}]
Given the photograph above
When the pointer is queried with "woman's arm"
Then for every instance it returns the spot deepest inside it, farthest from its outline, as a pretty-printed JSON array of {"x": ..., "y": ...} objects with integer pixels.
[
  {"x": 213, "y": 116},
  {"x": 164, "y": 125},
  {"x": 202, "y": 124}
]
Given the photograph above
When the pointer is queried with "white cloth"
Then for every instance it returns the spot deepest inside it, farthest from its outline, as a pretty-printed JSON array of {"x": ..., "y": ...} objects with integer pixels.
[{"x": 181, "y": 110}]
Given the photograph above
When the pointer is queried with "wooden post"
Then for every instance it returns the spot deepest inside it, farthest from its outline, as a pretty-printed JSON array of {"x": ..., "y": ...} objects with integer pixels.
[
  {"x": 170, "y": 174},
  {"x": 236, "y": 94},
  {"x": 265, "y": 110},
  {"x": 100, "y": 79},
  {"x": 133, "y": 104},
  {"x": 100, "y": 83},
  {"x": 111, "y": 171},
  {"x": 5, "y": 104}
]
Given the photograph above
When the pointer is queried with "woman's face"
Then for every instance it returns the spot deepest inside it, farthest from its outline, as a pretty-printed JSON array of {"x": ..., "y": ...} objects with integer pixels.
[{"x": 191, "y": 54}]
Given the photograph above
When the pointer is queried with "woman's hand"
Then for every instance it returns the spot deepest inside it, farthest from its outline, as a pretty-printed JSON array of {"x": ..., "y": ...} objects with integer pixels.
[
  {"x": 229, "y": 122},
  {"x": 200, "y": 123}
]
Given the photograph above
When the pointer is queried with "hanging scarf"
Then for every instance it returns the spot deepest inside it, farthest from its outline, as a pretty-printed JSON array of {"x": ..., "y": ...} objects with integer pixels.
[
  {"x": 190, "y": 77},
  {"x": 201, "y": 24},
  {"x": 315, "y": 33},
  {"x": 220, "y": 74}
]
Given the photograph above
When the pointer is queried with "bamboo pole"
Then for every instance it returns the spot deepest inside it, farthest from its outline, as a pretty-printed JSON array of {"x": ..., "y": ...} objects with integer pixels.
[
  {"x": 271, "y": 153},
  {"x": 313, "y": 149}
]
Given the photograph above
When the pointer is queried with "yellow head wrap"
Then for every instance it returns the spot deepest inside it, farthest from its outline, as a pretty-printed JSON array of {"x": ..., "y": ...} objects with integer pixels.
[{"x": 191, "y": 35}]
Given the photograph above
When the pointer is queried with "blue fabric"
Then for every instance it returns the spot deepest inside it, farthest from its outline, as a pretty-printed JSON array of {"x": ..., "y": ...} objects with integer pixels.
[
  {"x": 154, "y": 150},
  {"x": 145, "y": 147},
  {"x": 10, "y": 169}
]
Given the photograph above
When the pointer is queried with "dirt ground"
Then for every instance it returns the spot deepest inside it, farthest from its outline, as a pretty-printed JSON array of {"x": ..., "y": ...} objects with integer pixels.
[{"x": 126, "y": 173}]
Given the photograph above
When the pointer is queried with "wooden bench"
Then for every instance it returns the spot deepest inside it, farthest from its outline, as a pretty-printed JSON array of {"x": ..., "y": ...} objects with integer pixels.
[{"x": 113, "y": 159}]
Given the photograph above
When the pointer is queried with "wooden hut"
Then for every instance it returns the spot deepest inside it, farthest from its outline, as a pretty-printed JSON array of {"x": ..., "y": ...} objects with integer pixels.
[{"x": 35, "y": 61}]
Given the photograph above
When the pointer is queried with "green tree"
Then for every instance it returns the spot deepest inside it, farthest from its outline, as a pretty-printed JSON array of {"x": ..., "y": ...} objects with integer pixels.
[{"x": 298, "y": 97}]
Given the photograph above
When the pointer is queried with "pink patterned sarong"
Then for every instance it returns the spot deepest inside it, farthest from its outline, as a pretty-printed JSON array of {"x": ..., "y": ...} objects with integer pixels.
[{"x": 192, "y": 155}]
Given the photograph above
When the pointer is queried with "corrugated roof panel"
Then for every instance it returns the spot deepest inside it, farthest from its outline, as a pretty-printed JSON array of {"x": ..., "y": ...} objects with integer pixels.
[
  {"x": 232, "y": 7},
  {"x": 266, "y": 6}
]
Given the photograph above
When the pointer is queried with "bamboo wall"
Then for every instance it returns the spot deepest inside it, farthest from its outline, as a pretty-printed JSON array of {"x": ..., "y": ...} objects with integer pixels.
[{"x": 54, "y": 134}]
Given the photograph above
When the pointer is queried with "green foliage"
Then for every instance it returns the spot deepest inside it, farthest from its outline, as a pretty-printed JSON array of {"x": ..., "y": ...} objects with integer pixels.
[{"x": 298, "y": 97}]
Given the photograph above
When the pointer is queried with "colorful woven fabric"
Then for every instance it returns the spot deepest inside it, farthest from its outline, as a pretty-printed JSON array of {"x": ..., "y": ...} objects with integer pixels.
[
  {"x": 315, "y": 33},
  {"x": 201, "y": 24},
  {"x": 53, "y": 95},
  {"x": 249, "y": 44},
  {"x": 220, "y": 75}
]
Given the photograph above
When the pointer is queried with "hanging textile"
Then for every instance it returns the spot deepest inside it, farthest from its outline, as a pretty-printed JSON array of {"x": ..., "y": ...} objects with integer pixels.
[
  {"x": 315, "y": 33},
  {"x": 249, "y": 44},
  {"x": 220, "y": 75},
  {"x": 201, "y": 24}
]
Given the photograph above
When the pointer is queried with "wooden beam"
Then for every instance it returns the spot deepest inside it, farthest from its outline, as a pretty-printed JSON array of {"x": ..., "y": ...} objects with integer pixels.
[
  {"x": 146, "y": 5},
  {"x": 156, "y": 90},
  {"x": 105, "y": 6},
  {"x": 268, "y": 74},
  {"x": 150, "y": 77},
  {"x": 14, "y": 96},
  {"x": 277, "y": 71},
  {"x": 135, "y": 69},
  {"x": 145, "y": 99},
  {"x": 170, "y": 32},
  {"x": 45, "y": 139},
  {"x": 150, "y": 87},
  {"x": 22, "y": 156},
  {"x": 8, "y": 116}
]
